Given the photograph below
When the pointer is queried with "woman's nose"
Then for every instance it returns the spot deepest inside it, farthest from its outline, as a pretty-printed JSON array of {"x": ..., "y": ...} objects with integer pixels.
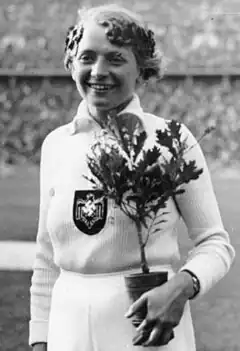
[{"x": 99, "y": 68}]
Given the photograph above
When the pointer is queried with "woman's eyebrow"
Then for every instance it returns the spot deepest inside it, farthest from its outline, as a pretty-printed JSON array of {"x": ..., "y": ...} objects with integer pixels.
[
  {"x": 117, "y": 53},
  {"x": 87, "y": 51},
  {"x": 108, "y": 52}
]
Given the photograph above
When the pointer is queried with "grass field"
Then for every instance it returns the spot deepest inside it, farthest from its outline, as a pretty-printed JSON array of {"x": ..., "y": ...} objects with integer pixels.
[
  {"x": 19, "y": 204},
  {"x": 216, "y": 316},
  {"x": 14, "y": 310}
]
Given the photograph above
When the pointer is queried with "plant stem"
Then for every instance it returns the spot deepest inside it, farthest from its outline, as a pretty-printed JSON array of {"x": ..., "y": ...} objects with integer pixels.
[
  {"x": 142, "y": 244},
  {"x": 149, "y": 229},
  {"x": 144, "y": 265}
]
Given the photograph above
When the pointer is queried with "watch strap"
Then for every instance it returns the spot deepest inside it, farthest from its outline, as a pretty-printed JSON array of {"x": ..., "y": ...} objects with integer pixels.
[{"x": 196, "y": 283}]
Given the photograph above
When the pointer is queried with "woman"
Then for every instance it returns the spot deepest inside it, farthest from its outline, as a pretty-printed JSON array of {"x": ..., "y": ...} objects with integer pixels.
[{"x": 78, "y": 297}]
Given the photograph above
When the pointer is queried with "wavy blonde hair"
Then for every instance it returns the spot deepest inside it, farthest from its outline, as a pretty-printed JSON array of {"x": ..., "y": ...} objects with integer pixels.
[{"x": 123, "y": 28}]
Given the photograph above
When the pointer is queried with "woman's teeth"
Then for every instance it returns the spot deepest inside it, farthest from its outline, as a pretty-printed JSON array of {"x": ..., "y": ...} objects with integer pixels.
[{"x": 100, "y": 87}]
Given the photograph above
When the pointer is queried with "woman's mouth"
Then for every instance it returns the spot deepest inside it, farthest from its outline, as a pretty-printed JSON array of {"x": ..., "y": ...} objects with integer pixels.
[{"x": 101, "y": 87}]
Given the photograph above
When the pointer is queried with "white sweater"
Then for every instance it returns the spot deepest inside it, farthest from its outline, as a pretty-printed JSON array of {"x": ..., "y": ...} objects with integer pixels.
[{"x": 61, "y": 245}]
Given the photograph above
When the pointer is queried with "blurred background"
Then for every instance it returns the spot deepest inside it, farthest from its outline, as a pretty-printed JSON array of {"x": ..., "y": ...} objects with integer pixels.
[{"x": 200, "y": 42}]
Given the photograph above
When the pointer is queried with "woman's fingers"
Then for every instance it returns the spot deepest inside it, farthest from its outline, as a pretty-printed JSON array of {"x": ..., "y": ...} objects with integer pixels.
[
  {"x": 154, "y": 336},
  {"x": 142, "y": 326},
  {"x": 167, "y": 335},
  {"x": 153, "y": 333},
  {"x": 143, "y": 332},
  {"x": 140, "y": 337},
  {"x": 160, "y": 336},
  {"x": 137, "y": 305}
]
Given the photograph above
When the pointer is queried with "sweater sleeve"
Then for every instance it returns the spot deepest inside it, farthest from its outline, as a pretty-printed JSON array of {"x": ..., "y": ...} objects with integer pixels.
[
  {"x": 212, "y": 254},
  {"x": 45, "y": 272}
]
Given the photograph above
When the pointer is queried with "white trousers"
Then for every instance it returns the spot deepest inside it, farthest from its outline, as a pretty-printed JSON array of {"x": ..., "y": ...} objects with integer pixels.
[{"x": 87, "y": 314}]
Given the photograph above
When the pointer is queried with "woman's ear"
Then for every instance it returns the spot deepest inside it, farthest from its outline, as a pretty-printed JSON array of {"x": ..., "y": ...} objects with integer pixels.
[{"x": 139, "y": 80}]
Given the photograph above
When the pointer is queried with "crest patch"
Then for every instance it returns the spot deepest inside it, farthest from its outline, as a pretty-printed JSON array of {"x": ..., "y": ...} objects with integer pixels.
[{"x": 89, "y": 211}]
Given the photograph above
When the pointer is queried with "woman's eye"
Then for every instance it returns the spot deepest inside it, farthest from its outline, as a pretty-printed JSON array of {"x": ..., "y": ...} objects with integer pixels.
[
  {"x": 116, "y": 60},
  {"x": 86, "y": 58}
]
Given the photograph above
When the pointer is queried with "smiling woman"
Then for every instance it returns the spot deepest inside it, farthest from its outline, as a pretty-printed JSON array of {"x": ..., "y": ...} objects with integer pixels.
[
  {"x": 86, "y": 243},
  {"x": 109, "y": 52},
  {"x": 105, "y": 75}
]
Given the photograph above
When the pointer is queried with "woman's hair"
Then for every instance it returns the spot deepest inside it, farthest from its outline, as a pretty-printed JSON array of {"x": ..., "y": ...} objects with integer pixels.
[{"x": 123, "y": 28}]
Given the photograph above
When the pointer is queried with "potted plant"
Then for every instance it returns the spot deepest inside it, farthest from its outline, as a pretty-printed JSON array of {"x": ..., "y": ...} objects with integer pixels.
[{"x": 140, "y": 179}]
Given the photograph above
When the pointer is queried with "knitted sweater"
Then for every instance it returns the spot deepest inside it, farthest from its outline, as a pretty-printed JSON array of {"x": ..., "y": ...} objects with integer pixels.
[{"x": 67, "y": 239}]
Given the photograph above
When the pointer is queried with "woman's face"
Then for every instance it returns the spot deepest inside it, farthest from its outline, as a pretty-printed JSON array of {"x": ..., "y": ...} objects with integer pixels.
[{"x": 105, "y": 74}]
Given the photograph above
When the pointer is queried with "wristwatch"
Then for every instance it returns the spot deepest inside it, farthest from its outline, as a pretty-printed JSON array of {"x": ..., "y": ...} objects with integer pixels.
[{"x": 196, "y": 283}]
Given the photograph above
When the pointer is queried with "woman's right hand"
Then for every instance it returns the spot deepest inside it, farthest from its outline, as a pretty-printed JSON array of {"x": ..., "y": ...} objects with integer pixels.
[{"x": 40, "y": 347}]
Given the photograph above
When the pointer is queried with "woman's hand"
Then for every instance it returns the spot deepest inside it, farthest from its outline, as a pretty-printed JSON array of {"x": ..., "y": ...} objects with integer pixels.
[{"x": 165, "y": 305}]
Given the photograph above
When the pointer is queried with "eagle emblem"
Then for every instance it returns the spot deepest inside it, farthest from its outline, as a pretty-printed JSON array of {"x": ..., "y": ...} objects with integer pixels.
[{"x": 89, "y": 211}]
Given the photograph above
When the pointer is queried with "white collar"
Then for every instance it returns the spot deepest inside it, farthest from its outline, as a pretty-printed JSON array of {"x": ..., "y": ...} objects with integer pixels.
[{"x": 83, "y": 119}]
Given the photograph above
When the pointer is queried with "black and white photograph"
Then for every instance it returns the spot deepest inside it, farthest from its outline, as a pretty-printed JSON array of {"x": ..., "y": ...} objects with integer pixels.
[{"x": 119, "y": 175}]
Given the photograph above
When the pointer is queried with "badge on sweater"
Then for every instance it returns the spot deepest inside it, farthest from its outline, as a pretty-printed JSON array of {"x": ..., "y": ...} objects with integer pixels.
[{"x": 89, "y": 211}]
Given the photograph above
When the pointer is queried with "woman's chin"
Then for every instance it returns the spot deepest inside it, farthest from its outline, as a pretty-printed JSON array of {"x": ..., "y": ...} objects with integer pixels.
[
  {"x": 101, "y": 103},
  {"x": 106, "y": 103}
]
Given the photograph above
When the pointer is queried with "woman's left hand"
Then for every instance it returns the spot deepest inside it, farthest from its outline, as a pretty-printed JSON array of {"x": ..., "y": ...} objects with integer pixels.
[{"x": 165, "y": 306}]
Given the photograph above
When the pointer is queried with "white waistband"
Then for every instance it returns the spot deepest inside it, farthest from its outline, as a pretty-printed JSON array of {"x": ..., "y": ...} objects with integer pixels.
[{"x": 160, "y": 268}]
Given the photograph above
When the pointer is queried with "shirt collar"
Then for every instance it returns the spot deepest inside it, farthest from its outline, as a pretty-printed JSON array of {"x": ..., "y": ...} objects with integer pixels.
[{"x": 83, "y": 119}]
